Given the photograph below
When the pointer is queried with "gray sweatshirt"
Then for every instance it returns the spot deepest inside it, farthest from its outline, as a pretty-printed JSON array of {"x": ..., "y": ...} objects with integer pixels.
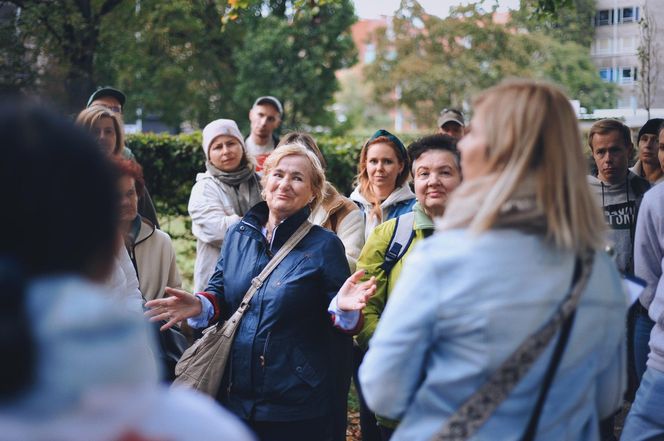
[
  {"x": 648, "y": 262},
  {"x": 620, "y": 203}
]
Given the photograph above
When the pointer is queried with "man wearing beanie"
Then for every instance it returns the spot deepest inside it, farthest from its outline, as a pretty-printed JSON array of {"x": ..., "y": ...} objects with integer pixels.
[
  {"x": 645, "y": 418},
  {"x": 221, "y": 196},
  {"x": 265, "y": 117},
  {"x": 648, "y": 166}
]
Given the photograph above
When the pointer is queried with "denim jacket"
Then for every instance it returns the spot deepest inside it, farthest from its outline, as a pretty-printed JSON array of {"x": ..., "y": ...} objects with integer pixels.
[{"x": 462, "y": 305}]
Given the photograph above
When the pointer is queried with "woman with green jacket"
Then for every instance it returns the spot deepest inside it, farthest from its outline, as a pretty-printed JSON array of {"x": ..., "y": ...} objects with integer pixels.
[{"x": 436, "y": 173}]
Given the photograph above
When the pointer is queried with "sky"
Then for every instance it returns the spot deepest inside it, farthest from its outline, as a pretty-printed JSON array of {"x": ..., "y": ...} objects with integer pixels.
[{"x": 376, "y": 8}]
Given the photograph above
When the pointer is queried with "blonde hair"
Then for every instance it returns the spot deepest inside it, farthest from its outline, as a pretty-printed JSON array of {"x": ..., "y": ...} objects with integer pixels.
[
  {"x": 89, "y": 116},
  {"x": 532, "y": 131},
  {"x": 362, "y": 178},
  {"x": 316, "y": 173}
]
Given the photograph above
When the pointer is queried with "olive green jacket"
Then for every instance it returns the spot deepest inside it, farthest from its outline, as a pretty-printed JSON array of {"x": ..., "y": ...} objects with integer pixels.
[{"x": 370, "y": 260}]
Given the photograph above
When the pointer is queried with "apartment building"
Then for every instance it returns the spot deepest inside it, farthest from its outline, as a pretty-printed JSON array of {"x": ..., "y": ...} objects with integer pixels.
[{"x": 618, "y": 37}]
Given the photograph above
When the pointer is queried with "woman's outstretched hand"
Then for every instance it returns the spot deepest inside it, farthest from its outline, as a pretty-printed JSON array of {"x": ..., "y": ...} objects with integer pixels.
[
  {"x": 178, "y": 306},
  {"x": 354, "y": 294}
]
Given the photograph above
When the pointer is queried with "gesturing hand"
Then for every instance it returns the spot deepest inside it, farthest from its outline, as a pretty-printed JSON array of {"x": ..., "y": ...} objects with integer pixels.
[
  {"x": 178, "y": 306},
  {"x": 354, "y": 294}
]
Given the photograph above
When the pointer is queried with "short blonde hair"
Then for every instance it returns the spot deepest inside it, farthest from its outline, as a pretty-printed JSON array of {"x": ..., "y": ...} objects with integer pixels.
[
  {"x": 532, "y": 131},
  {"x": 316, "y": 173},
  {"x": 89, "y": 116}
]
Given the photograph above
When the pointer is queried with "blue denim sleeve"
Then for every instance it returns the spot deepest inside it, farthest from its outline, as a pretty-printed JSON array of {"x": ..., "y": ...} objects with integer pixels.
[{"x": 393, "y": 367}]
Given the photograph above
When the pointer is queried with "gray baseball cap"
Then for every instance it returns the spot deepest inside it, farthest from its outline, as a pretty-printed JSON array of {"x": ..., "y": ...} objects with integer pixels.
[
  {"x": 270, "y": 100},
  {"x": 450, "y": 115}
]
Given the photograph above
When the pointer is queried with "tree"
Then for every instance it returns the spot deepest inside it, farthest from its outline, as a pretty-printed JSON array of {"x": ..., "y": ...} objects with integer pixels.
[
  {"x": 67, "y": 37},
  {"x": 649, "y": 59},
  {"x": 189, "y": 60},
  {"x": 295, "y": 58},
  {"x": 174, "y": 60},
  {"x": 569, "y": 23},
  {"x": 15, "y": 64},
  {"x": 444, "y": 62}
]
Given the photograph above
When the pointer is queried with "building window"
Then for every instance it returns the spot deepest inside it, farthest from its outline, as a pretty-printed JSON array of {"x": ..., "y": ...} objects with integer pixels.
[
  {"x": 602, "y": 46},
  {"x": 627, "y": 75},
  {"x": 604, "y": 17},
  {"x": 628, "y": 44},
  {"x": 629, "y": 15},
  {"x": 369, "y": 53},
  {"x": 606, "y": 74}
]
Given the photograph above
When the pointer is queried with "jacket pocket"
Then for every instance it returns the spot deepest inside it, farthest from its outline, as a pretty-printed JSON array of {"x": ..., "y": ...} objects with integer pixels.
[
  {"x": 295, "y": 265},
  {"x": 303, "y": 369}
]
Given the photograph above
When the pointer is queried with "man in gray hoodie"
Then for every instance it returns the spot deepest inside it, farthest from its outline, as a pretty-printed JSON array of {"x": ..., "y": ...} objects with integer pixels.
[
  {"x": 617, "y": 190},
  {"x": 646, "y": 418}
]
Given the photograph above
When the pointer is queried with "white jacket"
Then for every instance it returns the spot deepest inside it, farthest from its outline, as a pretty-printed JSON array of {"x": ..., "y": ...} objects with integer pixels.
[
  {"x": 211, "y": 214},
  {"x": 122, "y": 284},
  {"x": 155, "y": 263},
  {"x": 395, "y": 205}
]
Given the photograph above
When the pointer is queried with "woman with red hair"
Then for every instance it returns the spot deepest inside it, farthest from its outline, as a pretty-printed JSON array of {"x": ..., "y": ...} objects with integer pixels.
[{"x": 151, "y": 250}]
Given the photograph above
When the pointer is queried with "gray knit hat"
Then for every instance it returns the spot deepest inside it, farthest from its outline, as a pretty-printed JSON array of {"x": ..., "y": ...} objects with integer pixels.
[{"x": 220, "y": 127}]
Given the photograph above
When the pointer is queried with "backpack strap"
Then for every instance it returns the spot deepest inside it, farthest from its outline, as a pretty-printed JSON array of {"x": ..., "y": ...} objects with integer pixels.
[{"x": 402, "y": 237}]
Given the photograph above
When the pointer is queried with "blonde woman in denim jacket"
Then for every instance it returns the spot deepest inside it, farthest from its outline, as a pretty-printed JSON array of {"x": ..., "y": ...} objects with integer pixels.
[{"x": 495, "y": 274}]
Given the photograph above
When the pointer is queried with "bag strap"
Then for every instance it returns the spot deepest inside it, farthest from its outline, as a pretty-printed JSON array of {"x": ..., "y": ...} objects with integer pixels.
[
  {"x": 531, "y": 429},
  {"x": 257, "y": 282},
  {"x": 402, "y": 237},
  {"x": 474, "y": 412}
]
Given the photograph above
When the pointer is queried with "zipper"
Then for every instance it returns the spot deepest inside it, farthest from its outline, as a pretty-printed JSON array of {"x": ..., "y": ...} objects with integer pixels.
[
  {"x": 230, "y": 378},
  {"x": 262, "y": 358},
  {"x": 268, "y": 245}
]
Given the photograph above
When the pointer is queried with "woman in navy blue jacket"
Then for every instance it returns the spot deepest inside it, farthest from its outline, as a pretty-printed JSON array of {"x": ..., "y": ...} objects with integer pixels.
[{"x": 283, "y": 374}]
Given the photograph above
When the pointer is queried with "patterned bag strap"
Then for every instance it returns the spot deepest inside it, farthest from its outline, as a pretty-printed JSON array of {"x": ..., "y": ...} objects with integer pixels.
[
  {"x": 257, "y": 281},
  {"x": 477, "y": 409}
]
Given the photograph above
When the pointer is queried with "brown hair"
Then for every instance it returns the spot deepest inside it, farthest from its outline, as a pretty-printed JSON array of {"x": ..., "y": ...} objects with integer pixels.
[
  {"x": 306, "y": 140},
  {"x": 605, "y": 126}
]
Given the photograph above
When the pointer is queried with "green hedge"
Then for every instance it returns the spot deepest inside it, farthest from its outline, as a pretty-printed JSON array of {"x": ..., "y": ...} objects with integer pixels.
[{"x": 171, "y": 162}]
